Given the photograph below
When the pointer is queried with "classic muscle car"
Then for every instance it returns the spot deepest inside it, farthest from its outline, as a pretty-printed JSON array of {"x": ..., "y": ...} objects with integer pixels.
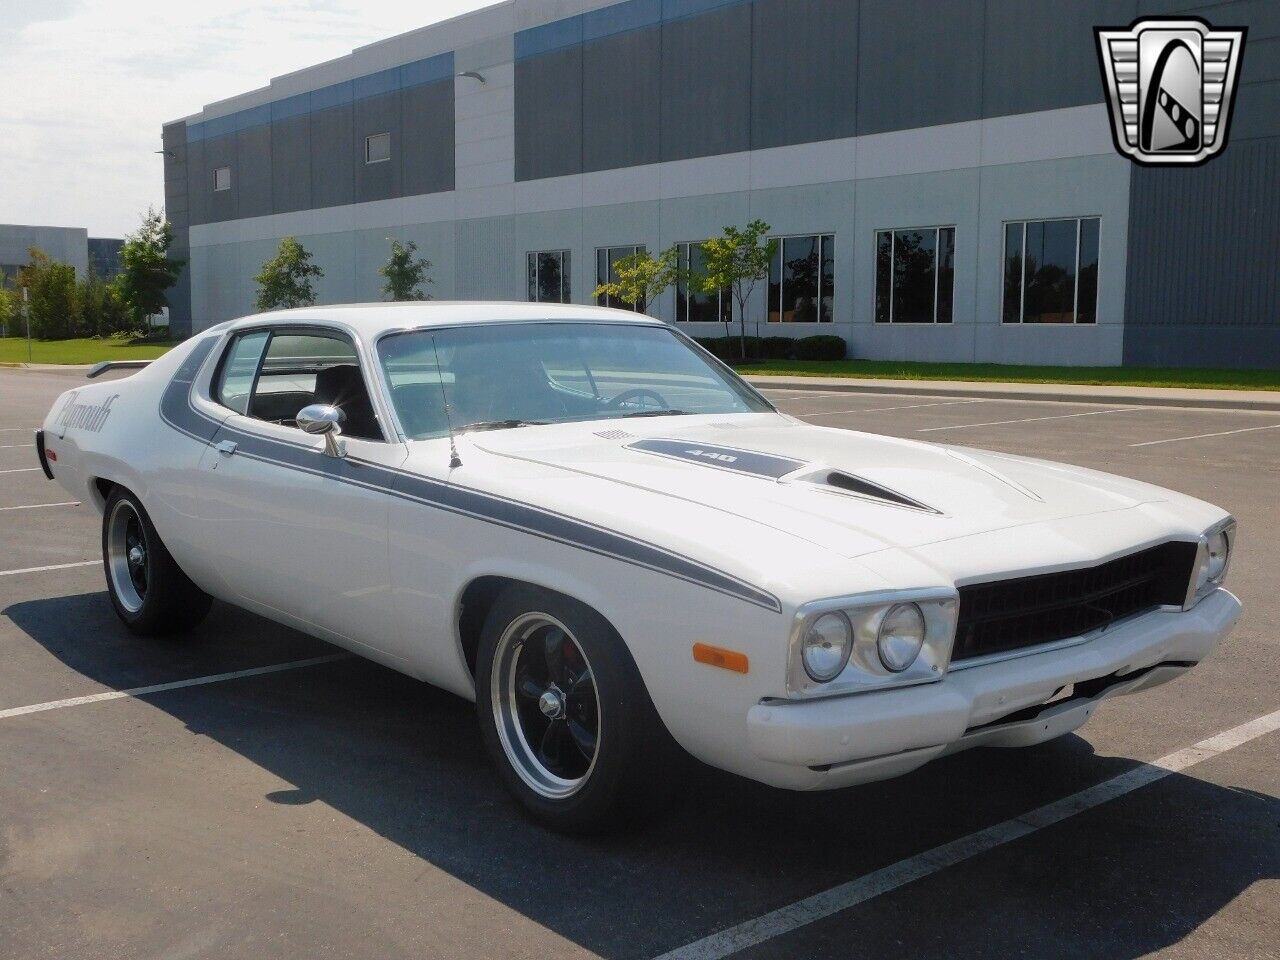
[{"x": 585, "y": 523}]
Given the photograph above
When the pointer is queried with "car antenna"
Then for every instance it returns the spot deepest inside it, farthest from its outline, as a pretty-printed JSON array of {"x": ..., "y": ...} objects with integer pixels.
[{"x": 454, "y": 460}]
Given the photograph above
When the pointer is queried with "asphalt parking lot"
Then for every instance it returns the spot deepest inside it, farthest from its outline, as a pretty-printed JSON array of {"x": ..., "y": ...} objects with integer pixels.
[{"x": 341, "y": 810}]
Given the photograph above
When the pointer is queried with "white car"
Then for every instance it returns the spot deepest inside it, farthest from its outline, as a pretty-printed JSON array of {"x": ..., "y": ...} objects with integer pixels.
[{"x": 584, "y": 522}]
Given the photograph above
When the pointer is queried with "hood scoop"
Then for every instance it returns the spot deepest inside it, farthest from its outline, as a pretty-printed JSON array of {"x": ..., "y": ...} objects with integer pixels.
[{"x": 839, "y": 481}]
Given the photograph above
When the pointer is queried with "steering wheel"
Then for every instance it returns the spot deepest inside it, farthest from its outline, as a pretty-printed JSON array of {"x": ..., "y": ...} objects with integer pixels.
[{"x": 640, "y": 393}]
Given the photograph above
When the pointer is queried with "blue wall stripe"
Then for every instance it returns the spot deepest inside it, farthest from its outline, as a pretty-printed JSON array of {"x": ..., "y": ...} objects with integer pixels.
[
  {"x": 610, "y": 21},
  {"x": 430, "y": 70},
  {"x": 620, "y": 18},
  {"x": 548, "y": 37}
]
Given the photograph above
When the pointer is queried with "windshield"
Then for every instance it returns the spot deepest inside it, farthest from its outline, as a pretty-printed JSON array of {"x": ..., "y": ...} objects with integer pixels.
[{"x": 497, "y": 376}]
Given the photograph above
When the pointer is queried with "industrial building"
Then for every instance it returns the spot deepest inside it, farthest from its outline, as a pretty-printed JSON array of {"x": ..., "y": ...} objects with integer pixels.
[{"x": 941, "y": 175}]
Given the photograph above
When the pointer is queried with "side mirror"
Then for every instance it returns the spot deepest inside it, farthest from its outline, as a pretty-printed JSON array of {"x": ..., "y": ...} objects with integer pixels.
[{"x": 321, "y": 419}]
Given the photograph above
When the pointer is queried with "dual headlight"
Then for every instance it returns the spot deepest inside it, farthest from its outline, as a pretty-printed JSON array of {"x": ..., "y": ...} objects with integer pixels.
[
  {"x": 1212, "y": 560},
  {"x": 866, "y": 642}
]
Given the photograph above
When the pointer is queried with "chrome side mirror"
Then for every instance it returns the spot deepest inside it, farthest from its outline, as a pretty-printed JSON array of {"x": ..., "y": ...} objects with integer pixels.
[{"x": 321, "y": 419}]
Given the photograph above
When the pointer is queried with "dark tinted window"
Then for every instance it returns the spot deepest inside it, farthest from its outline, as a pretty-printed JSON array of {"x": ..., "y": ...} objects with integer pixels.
[
  {"x": 606, "y": 272},
  {"x": 1051, "y": 271},
  {"x": 915, "y": 273},
  {"x": 692, "y": 305},
  {"x": 549, "y": 276},
  {"x": 802, "y": 280}
]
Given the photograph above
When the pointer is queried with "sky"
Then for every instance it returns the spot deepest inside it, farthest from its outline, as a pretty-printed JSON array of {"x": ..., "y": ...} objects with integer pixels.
[{"x": 87, "y": 85}]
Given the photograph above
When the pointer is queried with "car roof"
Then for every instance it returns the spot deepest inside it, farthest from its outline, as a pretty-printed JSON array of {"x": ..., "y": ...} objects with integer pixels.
[{"x": 371, "y": 319}]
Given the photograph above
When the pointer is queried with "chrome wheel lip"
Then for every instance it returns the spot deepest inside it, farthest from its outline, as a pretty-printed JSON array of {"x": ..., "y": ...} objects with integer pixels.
[
  {"x": 522, "y": 755},
  {"x": 118, "y": 559}
]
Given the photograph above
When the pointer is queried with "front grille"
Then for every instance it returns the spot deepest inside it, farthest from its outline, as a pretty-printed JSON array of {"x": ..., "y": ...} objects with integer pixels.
[{"x": 1027, "y": 611}]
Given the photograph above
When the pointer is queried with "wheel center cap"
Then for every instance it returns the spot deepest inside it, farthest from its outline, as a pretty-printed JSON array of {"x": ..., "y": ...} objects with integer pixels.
[
  {"x": 137, "y": 556},
  {"x": 551, "y": 703}
]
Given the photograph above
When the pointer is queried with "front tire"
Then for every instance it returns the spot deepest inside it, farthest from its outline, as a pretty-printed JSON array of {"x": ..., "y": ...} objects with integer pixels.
[
  {"x": 565, "y": 715},
  {"x": 148, "y": 590}
]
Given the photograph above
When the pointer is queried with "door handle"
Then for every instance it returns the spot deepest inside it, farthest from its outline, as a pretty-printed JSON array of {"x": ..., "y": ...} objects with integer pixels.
[{"x": 227, "y": 447}]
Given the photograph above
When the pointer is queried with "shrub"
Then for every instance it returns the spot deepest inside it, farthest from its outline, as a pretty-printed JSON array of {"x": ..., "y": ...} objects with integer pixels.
[
  {"x": 824, "y": 347},
  {"x": 777, "y": 348}
]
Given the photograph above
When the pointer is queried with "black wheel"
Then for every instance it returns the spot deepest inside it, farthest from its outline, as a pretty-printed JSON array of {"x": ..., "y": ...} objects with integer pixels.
[
  {"x": 148, "y": 590},
  {"x": 565, "y": 715}
]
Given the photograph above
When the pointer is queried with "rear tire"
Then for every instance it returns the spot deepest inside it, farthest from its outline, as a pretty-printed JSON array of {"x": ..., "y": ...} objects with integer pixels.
[
  {"x": 148, "y": 590},
  {"x": 565, "y": 715}
]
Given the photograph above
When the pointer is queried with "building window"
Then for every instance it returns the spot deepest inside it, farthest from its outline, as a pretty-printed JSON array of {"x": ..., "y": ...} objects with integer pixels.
[
  {"x": 606, "y": 261},
  {"x": 222, "y": 178},
  {"x": 549, "y": 276},
  {"x": 1051, "y": 271},
  {"x": 377, "y": 148},
  {"x": 802, "y": 280},
  {"x": 915, "y": 275},
  {"x": 693, "y": 306}
]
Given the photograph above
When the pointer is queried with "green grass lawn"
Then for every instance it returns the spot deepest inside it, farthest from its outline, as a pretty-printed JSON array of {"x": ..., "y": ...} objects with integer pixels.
[
  {"x": 1003, "y": 373},
  {"x": 82, "y": 350}
]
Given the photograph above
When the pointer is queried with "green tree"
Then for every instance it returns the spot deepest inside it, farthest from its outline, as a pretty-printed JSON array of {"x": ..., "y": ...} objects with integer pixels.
[
  {"x": 147, "y": 269},
  {"x": 285, "y": 280},
  {"x": 103, "y": 311},
  {"x": 642, "y": 277},
  {"x": 9, "y": 306},
  {"x": 404, "y": 274},
  {"x": 51, "y": 291},
  {"x": 736, "y": 261}
]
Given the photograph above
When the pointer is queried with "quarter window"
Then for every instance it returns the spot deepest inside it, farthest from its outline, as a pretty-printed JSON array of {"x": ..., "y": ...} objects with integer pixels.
[
  {"x": 240, "y": 370},
  {"x": 693, "y": 306},
  {"x": 377, "y": 148},
  {"x": 549, "y": 276},
  {"x": 222, "y": 178},
  {"x": 606, "y": 272},
  {"x": 915, "y": 275},
  {"x": 802, "y": 280},
  {"x": 1051, "y": 271}
]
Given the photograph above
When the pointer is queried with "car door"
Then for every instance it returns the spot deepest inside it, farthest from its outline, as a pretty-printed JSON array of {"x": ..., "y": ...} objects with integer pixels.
[{"x": 295, "y": 533}]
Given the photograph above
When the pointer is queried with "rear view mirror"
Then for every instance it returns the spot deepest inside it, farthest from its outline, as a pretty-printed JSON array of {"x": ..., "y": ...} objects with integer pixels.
[{"x": 321, "y": 419}]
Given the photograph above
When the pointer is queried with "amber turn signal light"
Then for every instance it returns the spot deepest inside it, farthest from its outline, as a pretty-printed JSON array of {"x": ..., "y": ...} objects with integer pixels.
[{"x": 720, "y": 657}]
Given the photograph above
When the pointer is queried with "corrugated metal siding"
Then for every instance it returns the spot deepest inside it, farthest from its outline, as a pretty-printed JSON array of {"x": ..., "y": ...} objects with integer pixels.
[{"x": 488, "y": 264}]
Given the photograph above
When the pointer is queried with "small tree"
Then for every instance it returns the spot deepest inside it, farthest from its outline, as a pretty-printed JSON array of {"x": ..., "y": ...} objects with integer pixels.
[
  {"x": 404, "y": 274},
  {"x": 102, "y": 309},
  {"x": 147, "y": 270},
  {"x": 9, "y": 301},
  {"x": 737, "y": 260},
  {"x": 51, "y": 291},
  {"x": 285, "y": 280},
  {"x": 641, "y": 277}
]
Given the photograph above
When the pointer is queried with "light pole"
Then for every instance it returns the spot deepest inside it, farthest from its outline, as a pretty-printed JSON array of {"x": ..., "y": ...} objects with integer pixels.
[{"x": 26, "y": 309}]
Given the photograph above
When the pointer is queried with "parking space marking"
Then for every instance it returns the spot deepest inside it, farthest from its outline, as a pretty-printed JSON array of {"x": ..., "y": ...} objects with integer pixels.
[
  {"x": 908, "y": 406},
  {"x": 1201, "y": 436},
  {"x": 22, "y": 470},
  {"x": 13, "y": 446},
  {"x": 1001, "y": 423},
  {"x": 172, "y": 685},
  {"x": 37, "y": 506},
  {"x": 890, "y": 878},
  {"x": 15, "y": 429},
  {"x": 52, "y": 566}
]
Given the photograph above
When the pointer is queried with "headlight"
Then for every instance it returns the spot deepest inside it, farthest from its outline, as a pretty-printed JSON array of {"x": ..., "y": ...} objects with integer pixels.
[
  {"x": 1212, "y": 561},
  {"x": 826, "y": 646},
  {"x": 900, "y": 637}
]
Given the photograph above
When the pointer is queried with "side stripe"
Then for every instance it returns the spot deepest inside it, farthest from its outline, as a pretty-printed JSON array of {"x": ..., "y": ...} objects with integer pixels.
[{"x": 176, "y": 411}]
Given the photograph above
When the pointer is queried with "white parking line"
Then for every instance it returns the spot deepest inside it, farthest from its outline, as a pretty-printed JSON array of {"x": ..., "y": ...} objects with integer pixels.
[
  {"x": 22, "y": 470},
  {"x": 37, "y": 506},
  {"x": 174, "y": 685},
  {"x": 54, "y": 566},
  {"x": 1000, "y": 423},
  {"x": 890, "y": 878},
  {"x": 14, "y": 446},
  {"x": 16, "y": 429},
  {"x": 908, "y": 406},
  {"x": 1201, "y": 436}
]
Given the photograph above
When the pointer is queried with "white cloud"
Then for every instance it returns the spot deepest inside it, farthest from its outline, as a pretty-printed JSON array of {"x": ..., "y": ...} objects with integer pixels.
[{"x": 89, "y": 84}]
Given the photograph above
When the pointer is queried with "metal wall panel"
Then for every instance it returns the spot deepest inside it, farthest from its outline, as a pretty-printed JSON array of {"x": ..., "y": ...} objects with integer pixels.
[
  {"x": 427, "y": 134},
  {"x": 1041, "y": 55},
  {"x": 333, "y": 173},
  {"x": 291, "y": 164},
  {"x": 251, "y": 177},
  {"x": 804, "y": 71},
  {"x": 920, "y": 64},
  {"x": 377, "y": 114},
  {"x": 706, "y": 84},
  {"x": 620, "y": 97},
  {"x": 548, "y": 108},
  {"x": 220, "y": 152},
  {"x": 1202, "y": 280}
]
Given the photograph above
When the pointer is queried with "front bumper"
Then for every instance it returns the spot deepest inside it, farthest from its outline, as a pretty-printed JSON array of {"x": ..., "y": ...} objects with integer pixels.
[{"x": 871, "y": 736}]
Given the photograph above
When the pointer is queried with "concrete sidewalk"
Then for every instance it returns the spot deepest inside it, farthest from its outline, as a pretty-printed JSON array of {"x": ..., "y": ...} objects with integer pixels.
[{"x": 1266, "y": 400}]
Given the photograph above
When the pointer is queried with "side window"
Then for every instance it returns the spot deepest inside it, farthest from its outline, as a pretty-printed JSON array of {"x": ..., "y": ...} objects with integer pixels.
[
  {"x": 303, "y": 368},
  {"x": 235, "y": 379}
]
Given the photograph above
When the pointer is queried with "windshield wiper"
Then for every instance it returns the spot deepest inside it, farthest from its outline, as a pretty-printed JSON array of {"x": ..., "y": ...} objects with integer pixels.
[
  {"x": 657, "y": 413},
  {"x": 501, "y": 425}
]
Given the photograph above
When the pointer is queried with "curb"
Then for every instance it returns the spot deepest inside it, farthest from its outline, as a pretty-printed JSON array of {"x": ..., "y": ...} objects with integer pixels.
[{"x": 1149, "y": 396}]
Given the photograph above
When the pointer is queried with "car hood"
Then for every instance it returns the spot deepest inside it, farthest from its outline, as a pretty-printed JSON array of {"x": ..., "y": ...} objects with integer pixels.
[{"x": 853, "y": 493}]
